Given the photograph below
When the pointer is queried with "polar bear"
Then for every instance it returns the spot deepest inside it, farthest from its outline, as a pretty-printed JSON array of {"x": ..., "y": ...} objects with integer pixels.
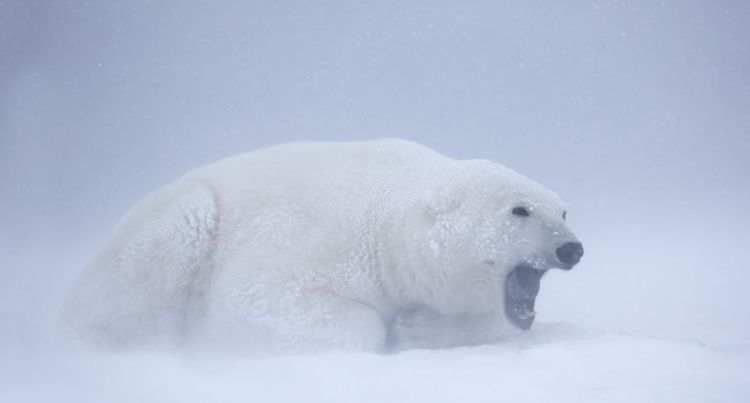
[{"x": 378, "y": 245}]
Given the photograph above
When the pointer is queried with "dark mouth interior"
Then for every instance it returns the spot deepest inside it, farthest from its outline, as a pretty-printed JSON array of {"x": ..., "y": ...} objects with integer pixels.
[{"x": 521, "y": 289}]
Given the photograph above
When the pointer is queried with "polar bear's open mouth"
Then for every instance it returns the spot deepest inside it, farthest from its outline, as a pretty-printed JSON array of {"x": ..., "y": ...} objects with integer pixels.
[{"x": 521, "y": 289}]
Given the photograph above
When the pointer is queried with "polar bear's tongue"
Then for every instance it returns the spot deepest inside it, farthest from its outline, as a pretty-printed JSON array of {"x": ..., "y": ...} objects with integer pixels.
[{"x": 521, "y": 289}]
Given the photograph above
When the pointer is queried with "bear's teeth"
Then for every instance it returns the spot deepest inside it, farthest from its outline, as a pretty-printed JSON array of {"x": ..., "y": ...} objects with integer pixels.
[{"x": 527, "y": 314}]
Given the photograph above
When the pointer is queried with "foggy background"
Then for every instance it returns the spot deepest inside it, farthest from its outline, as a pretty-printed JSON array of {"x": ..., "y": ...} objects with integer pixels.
[{"x": 637, "y": 113}]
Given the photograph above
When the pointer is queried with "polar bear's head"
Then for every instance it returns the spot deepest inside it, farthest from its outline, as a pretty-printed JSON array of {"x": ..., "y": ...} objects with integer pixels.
[{"x": 485, "y": 239}]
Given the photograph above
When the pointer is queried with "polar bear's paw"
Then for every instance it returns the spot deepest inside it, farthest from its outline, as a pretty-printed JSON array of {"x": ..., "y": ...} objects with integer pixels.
[
  {"x": 420, "y": 327},
  {"x": 415, "y": 327}
]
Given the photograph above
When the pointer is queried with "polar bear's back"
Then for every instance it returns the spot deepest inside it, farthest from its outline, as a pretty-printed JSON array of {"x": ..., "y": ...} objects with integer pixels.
[
  {"x": 322, "y": 175},
  {"x": 332, "y": 161}
]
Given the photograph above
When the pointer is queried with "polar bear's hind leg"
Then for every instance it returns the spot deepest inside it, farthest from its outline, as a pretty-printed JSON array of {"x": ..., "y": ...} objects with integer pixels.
[{"x": 147, "y": 286}]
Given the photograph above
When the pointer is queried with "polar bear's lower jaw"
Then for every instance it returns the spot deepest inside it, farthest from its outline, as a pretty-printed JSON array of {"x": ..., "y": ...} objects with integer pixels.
[{"x": 521, "y": 289}]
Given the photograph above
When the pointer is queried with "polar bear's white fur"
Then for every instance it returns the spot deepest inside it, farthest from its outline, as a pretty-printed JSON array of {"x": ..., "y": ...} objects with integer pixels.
[{"x": 313, "y": 246}]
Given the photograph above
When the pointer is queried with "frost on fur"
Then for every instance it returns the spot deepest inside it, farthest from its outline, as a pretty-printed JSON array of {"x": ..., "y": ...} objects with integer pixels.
[{"x": 318, "y": 246}]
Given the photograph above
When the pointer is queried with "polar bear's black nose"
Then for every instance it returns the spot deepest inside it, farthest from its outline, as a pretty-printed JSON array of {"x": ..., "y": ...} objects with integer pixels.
[{"x": 570, "y": 253}]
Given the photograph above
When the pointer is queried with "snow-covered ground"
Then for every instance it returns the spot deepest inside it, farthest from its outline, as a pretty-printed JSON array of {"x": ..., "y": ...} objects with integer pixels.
[{"x": 554, "y": 362}]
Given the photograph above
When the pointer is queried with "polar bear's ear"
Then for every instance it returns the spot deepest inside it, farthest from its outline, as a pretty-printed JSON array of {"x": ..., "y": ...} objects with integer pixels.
[{"x": 441, "y": 200}]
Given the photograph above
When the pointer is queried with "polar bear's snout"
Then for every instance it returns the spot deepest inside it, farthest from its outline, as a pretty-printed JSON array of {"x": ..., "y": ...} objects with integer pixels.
[{"x": 569, "y": 254}]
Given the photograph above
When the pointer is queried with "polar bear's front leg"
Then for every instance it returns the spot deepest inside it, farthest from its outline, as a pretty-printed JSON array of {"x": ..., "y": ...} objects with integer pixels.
[
  {"x": 266, "y": 316},
  {"x": 420, "y": 327},
  {"x": 329, "y": 322}
]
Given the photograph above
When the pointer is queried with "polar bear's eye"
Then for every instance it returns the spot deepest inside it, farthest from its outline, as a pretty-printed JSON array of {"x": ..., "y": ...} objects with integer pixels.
[{"x": 521, "y": 211}]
